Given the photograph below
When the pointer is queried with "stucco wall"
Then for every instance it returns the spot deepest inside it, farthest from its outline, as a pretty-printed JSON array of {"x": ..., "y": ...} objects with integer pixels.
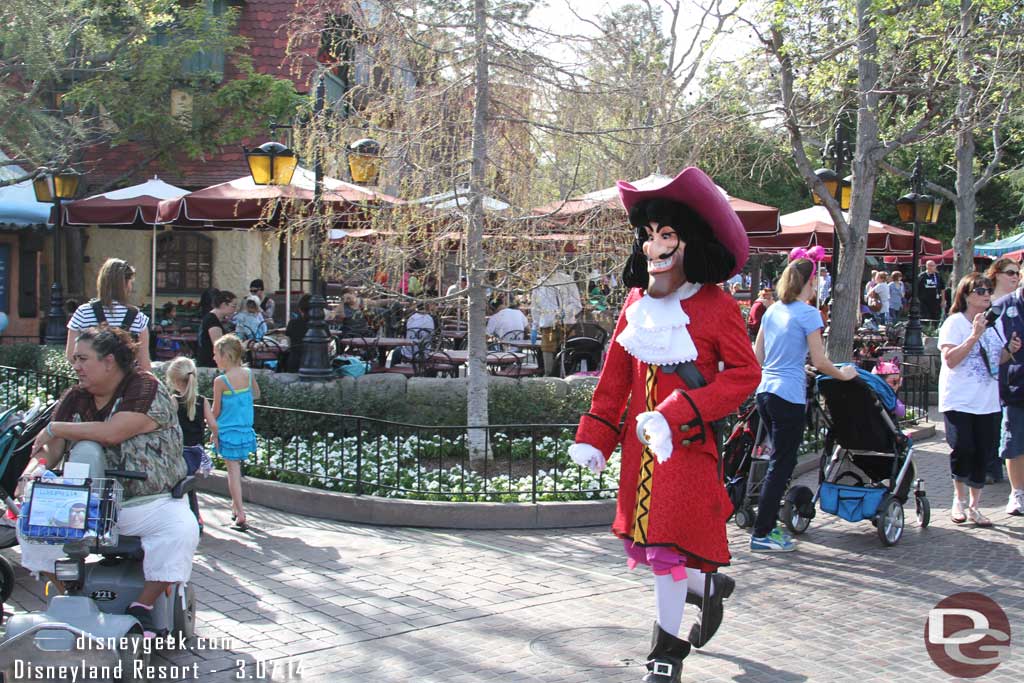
[{"x": 238, "y": 258}]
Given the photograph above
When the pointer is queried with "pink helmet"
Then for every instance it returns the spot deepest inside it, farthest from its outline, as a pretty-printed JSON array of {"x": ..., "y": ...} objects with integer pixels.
[{"x": 886, "y": 367}]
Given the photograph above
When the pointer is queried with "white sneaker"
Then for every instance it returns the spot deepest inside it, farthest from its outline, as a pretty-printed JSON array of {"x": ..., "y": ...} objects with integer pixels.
[{"x": 1015, "y": 504}]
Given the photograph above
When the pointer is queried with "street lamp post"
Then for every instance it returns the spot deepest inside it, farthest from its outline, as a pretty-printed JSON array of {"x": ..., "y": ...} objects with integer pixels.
[
  {"x": 52, "y": 188},
  {"x": 274, "y": 164},
  {"x": 316, "y": 361},
  {"x": 916, "y": 207},
  {"x": 840, "y": 152}
]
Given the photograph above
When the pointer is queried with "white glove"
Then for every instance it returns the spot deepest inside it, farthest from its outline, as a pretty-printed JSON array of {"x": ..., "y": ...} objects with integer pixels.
[
  {"x": 653, "y": 431},
  {"x": 585, "y": 455}
]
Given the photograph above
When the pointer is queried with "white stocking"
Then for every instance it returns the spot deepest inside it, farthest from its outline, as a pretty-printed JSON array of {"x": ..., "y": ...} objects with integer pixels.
[
  {"x": 695, "y": 582},
  {"x": 670, "y": 596}
]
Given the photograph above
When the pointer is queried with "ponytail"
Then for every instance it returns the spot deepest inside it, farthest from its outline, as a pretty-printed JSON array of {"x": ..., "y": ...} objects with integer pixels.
[{"x": 182, "y": 370}]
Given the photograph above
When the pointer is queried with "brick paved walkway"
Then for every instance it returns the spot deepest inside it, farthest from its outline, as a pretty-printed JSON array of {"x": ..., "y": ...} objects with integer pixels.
[{"x": 363, "y": 604}]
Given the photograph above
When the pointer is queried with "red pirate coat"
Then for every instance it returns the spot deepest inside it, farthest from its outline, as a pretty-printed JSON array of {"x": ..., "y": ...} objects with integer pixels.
[{"x": 683, "y": 503}]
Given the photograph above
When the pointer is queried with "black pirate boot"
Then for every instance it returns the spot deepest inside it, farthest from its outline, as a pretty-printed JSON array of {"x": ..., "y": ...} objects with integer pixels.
[
  {"x": 665, "y": 663},
  {"x": 711, "y": 614}
]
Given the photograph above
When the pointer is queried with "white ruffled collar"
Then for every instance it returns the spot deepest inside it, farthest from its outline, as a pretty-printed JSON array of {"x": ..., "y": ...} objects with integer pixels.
[{"x": 655, "y": 331}]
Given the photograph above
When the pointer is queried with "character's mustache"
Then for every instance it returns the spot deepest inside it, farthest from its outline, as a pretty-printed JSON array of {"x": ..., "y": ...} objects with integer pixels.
[{"x": 664, "y": 256}]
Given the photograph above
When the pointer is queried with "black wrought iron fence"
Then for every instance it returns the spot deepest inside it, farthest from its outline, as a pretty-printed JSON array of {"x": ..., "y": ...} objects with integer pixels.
[
  {"x": 362, "y": 455},
  {"x": 914, "y": 392},
  {"x": 373, "y": 456},
  {"x": 19, "y": 388}
]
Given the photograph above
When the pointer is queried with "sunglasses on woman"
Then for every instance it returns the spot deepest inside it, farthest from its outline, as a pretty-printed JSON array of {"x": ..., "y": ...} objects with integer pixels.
[
  {"x": 1011, "y": 273},
  {"x": 982, "y": 291}
]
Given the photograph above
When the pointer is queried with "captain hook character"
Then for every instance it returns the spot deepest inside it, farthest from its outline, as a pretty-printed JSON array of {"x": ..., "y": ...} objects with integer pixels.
[{"x": 680, "y": 358}]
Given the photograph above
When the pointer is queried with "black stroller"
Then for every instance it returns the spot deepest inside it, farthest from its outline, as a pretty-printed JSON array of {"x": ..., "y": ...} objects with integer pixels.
[
  {"x": 868, "y": 470},
  {"x": 746, "y": 454},
  {"x": 17, "y": 431}
]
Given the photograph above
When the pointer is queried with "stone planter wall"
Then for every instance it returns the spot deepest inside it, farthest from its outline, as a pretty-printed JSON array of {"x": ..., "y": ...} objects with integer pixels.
[{"x": 424, "y": 400}]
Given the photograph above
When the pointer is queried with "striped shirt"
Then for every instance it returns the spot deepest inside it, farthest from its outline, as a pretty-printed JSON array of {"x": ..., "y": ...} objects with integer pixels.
[{"x": 84, "y": 318}]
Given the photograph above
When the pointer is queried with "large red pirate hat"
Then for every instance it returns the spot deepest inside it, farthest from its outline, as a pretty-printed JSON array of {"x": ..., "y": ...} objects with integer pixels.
[{"x": 696, "y": 190}]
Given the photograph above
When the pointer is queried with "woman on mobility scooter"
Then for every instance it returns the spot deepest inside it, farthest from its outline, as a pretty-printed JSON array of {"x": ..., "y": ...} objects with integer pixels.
[{"x": 132, "y": 418}]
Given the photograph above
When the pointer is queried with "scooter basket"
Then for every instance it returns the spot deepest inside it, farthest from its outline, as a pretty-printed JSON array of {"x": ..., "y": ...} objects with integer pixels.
[
  {"x": 98, "y": 500},
  {"x": 852, "y": 503}
]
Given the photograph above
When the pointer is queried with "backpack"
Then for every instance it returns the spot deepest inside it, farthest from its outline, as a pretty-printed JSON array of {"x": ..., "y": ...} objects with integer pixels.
[
  {"x": 874, "y": 302},
  {"x": 129, "y": 317},
  {"x": 1011, "y": 374}
]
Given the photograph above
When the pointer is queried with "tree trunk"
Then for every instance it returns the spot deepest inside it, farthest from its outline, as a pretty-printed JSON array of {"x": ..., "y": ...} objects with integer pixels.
[
  {"x": 963, "y": 239},
  {"x": 853, "y": 236},
  {"x": 476, "y": 396},
  {"x": 845, "y": 311}
]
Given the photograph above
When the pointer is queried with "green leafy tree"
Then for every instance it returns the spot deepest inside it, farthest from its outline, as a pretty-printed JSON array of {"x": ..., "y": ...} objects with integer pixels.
[
  {"x": 892, "y": 65},
  {"x": 82, "y": 74}
]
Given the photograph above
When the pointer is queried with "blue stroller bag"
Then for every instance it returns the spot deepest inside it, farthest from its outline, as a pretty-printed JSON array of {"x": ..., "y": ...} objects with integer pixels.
[{"x": 852, "y": 503}]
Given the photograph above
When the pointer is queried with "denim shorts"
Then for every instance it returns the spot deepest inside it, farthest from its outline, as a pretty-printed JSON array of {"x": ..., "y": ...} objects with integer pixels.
[{"x": 1011, "y": 440}]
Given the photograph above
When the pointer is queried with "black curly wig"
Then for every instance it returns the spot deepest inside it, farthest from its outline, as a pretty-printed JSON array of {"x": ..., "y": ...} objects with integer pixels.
[{"x": 705, "y": 259}]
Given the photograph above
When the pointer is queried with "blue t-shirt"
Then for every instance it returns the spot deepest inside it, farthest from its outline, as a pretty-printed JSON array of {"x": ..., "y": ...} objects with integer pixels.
[{"x": 785, "y": 328}]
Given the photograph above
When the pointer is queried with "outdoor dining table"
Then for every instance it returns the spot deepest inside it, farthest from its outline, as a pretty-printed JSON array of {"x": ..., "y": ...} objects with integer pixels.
[
  {"x": 524, "y": 344},
  {"x": 188, "y": 341},
  {"x": 461, "y": 357},
  {"x": 457, "y": 336},
  {"x": 382, "y": 344}
]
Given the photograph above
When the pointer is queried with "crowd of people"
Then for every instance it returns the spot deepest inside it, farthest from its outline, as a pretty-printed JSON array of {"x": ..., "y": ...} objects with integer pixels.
[
  {"x": 981, "y": 377},
  {"x": 886, "y": 297}
]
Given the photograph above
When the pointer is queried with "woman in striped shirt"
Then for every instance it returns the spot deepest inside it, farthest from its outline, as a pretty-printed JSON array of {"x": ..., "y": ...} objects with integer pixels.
[{"x": 113, "y": 285}]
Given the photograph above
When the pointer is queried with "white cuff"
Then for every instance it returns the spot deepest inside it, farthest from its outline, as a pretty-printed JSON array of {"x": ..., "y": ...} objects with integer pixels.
[
  {"x": 585, "y": 455},
  {"x": 652, "y": 429}
]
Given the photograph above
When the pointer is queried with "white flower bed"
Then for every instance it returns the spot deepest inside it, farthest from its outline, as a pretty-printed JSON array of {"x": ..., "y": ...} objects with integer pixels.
[{"x": 431, "y": 468}]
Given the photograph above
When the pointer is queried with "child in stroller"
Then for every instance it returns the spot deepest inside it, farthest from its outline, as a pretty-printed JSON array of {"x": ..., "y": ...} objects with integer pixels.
[
  {"x": 867, "y": 468},
  {"x": 889, "y": 371}
]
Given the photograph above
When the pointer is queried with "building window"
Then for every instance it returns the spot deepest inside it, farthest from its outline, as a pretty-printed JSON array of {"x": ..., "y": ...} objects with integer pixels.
[
  {"x": 184, "y": 262},
  {"x": 302, "y": 265}
]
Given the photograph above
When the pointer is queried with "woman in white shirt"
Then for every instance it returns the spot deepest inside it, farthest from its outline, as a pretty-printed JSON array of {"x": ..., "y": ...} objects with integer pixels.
[
  {"x": 881, "y": 290},
  {"x": 969, "y": 393}
]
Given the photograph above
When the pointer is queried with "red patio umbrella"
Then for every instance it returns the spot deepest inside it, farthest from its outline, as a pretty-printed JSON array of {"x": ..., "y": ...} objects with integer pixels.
[
  {"x": 242, "y": 203},
  {"x": 758, "y": 219},
  {"x": 943, "y": 259},
  {"x": 813, "y": 226},
  {"x": 134, "y": 206}
]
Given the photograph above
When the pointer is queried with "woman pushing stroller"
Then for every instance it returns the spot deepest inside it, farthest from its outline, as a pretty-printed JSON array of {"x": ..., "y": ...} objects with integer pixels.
[{"x": 790, "y": 330}]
